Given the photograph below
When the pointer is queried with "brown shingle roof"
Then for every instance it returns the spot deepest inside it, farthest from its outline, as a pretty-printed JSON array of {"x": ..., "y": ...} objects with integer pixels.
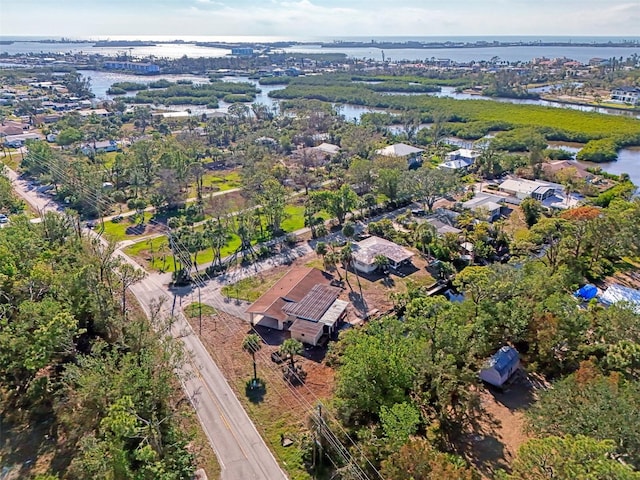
[{"x": 291, "y": 288}]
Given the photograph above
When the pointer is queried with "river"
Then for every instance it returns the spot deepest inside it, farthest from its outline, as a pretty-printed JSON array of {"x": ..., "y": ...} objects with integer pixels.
[{"x": 628, "y": 158}]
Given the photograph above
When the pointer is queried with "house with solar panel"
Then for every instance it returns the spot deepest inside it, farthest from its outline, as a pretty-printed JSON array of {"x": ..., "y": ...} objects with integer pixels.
[
  {"x": 501, "y": 366},
  {"x": 304, "y": 303}
]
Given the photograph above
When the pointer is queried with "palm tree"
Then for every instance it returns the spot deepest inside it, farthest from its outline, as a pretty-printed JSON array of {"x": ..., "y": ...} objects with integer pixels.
[
  {"x": 381, "y": 262},
  {"x": 346, "y": 257},
  {"x": 252, "y": 344},
  {"x": 291, "y": 347},
  {"x": 424, "y": 234}
]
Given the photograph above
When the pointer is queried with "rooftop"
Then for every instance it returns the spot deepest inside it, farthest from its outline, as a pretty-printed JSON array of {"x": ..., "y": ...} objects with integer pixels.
[
  {"x": 293, "y": 287},
  {"x": 399, "y": 150},
  {"x": 367, "y": 250},
  {"x": 314, "y": 304}
]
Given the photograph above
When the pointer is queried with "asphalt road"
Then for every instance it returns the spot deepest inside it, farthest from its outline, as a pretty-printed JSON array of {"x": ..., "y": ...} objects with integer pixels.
[{"x": 241, "y": 451}]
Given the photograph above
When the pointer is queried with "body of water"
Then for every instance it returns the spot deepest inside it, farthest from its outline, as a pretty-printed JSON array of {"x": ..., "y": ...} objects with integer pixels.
[
  {"x": 190, "y": 49},
  {"x": 628, "y": 158}
]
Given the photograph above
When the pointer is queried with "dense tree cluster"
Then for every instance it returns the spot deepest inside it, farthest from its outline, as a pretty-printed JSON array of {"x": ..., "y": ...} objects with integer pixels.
[{"x": 74, "y": 357}]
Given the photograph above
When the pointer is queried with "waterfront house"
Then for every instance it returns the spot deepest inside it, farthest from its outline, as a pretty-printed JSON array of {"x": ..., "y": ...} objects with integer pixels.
[
  {"x": 625, "y": 94},
  {"x": 412, "y": 154}
]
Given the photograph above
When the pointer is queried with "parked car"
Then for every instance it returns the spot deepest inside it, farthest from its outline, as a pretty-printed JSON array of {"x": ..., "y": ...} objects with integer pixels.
[{"x": 3, "y": 218}]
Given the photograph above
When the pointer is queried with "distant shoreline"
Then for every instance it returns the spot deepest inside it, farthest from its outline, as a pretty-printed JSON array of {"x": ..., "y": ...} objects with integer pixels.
[{"x": 342, "y": 43}]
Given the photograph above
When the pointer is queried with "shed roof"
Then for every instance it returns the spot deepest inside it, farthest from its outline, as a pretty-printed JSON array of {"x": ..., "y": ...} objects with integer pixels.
[
  {"x": 309, "y": 329},
  {"x": 504, "y": 359},
  {"x": 618, "y": 293},
  {"x": 332, "y": 315}
]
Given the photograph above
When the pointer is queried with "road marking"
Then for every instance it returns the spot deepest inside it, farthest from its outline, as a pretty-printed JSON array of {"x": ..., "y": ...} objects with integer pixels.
[{"x": 219, "y": 407}]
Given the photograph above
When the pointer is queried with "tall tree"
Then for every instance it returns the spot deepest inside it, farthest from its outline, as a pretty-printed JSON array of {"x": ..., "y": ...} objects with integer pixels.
[{"x": 252, "y": 344}]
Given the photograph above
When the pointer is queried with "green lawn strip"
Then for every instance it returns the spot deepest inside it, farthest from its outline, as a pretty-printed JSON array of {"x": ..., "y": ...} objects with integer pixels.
[{"x": 251, "y": 288}]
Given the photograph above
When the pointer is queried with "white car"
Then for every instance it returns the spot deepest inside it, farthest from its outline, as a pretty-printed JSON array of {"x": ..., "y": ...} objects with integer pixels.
[{"x": 4, "y": 218}]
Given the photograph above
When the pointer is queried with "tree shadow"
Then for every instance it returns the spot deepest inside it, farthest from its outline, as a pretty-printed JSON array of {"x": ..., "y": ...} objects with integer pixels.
[
  {"x": 255, "y": 390},
  {"x": 137, "y": 229}
]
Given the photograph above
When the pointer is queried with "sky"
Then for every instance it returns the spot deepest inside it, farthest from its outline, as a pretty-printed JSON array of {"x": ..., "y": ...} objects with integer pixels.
[{"x": 308, "y": 19}]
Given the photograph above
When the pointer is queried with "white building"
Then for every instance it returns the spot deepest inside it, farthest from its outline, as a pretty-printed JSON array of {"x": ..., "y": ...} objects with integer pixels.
[
  {"x": 626, "y": 95},
  {"x": 366, "y": 251},
  {"x": 522, "y": 188}
]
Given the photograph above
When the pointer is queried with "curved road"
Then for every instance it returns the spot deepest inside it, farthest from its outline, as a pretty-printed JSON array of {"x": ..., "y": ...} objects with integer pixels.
[{"x": 241, "y": 451}]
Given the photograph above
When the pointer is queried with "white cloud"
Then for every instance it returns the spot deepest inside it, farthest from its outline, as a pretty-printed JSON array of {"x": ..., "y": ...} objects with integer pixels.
[{"x": 324, "y": 18}]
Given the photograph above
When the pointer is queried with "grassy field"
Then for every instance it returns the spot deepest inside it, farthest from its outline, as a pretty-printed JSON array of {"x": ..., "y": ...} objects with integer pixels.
[
  {"x": 219, "y": 182},
  {"x": 157, "y": 255},
  {"x": 252, "y": 288},
  {"x": 575, "y": 123},
  {"x": 126, "y": 228},
  {"x": 12, "y": 161}
]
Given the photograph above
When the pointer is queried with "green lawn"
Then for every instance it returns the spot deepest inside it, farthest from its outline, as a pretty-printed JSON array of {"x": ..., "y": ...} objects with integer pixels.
[
  {"x": 108, "y": 158},
  {"x": 117, "y": 231},
  {"x": 221, "y": 182},
  {"x": 251, "y": 288},
  {"x": 158, "y": 255},
  {"x": 156, "y": 252},
  {"x": 294, "y": 218}
]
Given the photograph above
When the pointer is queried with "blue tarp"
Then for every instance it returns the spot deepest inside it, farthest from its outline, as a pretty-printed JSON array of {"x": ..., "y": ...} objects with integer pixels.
[{"x": 587, "y": 292}]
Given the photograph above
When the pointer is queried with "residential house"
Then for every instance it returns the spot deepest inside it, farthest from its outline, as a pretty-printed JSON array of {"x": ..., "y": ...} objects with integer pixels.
[
  {"x": 626, "y": 95},
  {"x": 501, "y": 366},
  {"x": 366, "y": 251},
  {"x": 460, "y": 159},
  {"x": 412, "y": 154},
  {"x": 492, "y": 205},
  {"x": 522, "y": 188},
  {"x": 17, "y": 141},
  {"x": 316, "y": 156},
  {"x": 443, "y": 224},
  {"x": 104, "y": 146},
  {"x": 302, "y": 302},
  {"x": 100, "y": 112},
  {"x": 551, "y": 169}
]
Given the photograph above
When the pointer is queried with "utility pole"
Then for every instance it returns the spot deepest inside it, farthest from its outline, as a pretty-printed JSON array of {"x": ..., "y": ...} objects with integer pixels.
[{"x": 199, "y": 310}]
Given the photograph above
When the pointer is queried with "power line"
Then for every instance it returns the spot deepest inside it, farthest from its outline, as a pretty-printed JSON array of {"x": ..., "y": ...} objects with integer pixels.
[{"x": 184, "y": 254}]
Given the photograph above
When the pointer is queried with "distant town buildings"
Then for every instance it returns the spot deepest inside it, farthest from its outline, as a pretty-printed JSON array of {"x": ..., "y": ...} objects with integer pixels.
[{"x": 132, "y": 67}]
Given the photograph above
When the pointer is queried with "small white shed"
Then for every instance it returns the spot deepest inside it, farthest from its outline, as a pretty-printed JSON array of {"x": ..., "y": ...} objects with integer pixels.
[{"x": 501, "y": 366}]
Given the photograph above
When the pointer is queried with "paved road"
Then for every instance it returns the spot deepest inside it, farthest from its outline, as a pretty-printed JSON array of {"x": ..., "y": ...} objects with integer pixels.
[{"x": 241, "y": 451}]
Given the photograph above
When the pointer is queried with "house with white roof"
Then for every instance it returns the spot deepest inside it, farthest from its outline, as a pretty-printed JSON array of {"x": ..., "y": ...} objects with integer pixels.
[
  {"x": 366, "y": 251},
  {"x": 485, "y": 202},
  {"x": 522, "y": 188},
  {"x": 402, "y": 150}
]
